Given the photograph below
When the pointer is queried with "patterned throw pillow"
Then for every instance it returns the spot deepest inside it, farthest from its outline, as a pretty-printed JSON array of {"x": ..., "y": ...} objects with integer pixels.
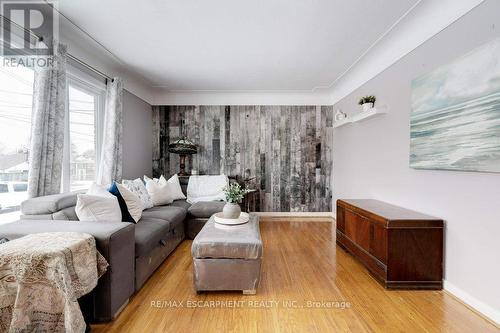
[
  {"x": 134, "y": 203},
  {"x": 137, "y": 187}
]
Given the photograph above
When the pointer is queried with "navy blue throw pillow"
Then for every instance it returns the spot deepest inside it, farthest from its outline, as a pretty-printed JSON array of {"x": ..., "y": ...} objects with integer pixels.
[{"x": 126, "y": 217}]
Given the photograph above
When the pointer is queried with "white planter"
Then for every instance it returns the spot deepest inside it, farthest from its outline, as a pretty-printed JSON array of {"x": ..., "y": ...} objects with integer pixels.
[
  {"x": 231, "y": 211},
  {"x": 367, "y": 106}
]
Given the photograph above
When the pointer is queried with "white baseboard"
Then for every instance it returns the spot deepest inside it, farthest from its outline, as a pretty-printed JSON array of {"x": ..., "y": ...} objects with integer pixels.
[
  {"x": 293, "y": 215},
  {"x": 484, "y": 309},
  {"x": 297, "y": 214}
]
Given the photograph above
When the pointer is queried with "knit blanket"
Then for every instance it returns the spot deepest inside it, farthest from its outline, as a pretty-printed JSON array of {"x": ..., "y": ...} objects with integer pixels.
[{"x": 41, "y": 278}]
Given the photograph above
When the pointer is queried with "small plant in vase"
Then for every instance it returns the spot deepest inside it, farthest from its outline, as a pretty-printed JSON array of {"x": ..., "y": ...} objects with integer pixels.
[
  {"x": 234, "y": 195},
  {"x": 367, "y": 102}
]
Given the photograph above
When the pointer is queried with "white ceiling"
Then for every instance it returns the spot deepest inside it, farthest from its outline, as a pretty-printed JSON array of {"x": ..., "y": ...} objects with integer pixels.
[{"x": 235, "y": 45}]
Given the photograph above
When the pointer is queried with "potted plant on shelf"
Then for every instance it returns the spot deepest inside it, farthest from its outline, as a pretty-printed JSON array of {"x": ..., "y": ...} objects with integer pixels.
[
  {"x": 367, "y": 102},
  {"x": 234, "y": 195}
]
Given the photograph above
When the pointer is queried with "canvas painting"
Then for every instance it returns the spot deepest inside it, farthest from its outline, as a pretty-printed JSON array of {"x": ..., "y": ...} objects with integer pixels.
[{"x": 455, "y": 119}]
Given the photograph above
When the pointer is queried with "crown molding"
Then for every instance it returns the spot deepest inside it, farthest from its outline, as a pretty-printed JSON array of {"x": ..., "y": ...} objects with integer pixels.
[{"x": 236, "y": 97}]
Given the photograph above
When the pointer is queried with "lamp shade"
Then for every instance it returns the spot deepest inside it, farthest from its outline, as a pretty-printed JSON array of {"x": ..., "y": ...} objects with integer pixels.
[{"x": 183, "y": 146}]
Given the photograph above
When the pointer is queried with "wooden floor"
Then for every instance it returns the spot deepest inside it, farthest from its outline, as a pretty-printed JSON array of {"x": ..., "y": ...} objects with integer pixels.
[{"x": 301, "y": 264}]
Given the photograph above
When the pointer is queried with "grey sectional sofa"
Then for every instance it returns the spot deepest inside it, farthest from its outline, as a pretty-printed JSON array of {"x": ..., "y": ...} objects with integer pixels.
[{"x": 134, "y": 251}]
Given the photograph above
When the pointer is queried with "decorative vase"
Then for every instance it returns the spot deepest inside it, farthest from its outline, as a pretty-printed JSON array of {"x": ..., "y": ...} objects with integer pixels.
[
  {"x": 367, "y": 106},
  {"x": 231, "y": 210},
  {"x": 339, "y": 115}
]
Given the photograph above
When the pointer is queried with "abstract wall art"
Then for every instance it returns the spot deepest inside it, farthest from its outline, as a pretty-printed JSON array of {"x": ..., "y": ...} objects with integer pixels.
[{"x": 455, "y": 119}]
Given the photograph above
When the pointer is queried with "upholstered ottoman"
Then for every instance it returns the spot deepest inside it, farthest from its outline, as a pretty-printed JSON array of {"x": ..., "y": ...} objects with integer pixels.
[{"x": 229, "y": 258}]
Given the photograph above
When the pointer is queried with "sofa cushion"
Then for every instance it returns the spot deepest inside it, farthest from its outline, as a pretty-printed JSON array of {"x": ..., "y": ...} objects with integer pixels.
[
  {"x": 149, "y": 233},
  {"x": 49, "y": 204},
  {"x": 181, "y": 203},
  {"x": 168, "y": 213},
  {"x": 66, "y": 214},
  {"x": 205, "y": 209}
]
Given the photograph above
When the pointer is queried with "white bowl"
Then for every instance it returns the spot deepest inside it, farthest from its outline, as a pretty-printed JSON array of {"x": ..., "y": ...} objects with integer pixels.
[{"x": 218, "y": 218}]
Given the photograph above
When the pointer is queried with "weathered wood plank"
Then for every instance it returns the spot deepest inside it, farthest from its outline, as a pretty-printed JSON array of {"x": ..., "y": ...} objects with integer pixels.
[
  {"x": 285, "y": 157},
  {"x": 305, "y": 197},
  {"x": 269, "y": 110},
  {"x": 295, "y": 161},
  {"x": 156, "y": 140},
  {"x": 222, "y": 136},
  {"x": 275, "y": 176}
]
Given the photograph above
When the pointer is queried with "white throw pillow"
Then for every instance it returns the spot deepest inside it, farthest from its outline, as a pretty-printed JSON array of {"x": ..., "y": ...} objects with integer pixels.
[
  {"x": 160, "y": 193},
  {"x": 137, "y": 187},
  {"x": 134, "y": 203},
  {"x": 175, "y": 187},
  {"x": 98, "y": 208},
  {"x": 206, "y": 188}
]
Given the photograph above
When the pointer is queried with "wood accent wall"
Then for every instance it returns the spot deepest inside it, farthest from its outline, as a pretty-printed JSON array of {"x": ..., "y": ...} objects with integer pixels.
[{"x": 287, "y": 148}]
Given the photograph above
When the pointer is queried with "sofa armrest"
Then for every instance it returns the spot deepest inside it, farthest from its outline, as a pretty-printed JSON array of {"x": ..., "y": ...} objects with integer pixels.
[{"x": 114, "y": 240}]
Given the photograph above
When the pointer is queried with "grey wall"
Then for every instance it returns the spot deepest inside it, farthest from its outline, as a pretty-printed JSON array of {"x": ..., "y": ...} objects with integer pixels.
[
  {"x": 137, "y": 137},
  {"x": 372, "y": 160},
  {"x": 287, "y": 149}
]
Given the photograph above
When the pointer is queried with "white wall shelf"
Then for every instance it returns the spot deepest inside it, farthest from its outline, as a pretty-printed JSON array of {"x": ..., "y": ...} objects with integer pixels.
[{"x": 361, "y": 116}]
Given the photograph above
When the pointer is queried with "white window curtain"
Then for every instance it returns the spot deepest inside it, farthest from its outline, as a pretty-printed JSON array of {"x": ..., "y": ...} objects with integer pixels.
[
  {"x": 110, "y": 165},
  {"x": 47, "y": 126}
]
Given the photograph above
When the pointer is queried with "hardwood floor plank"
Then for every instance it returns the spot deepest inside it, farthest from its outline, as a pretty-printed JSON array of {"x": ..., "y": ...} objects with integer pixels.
[{"x": 301, "y": 264}]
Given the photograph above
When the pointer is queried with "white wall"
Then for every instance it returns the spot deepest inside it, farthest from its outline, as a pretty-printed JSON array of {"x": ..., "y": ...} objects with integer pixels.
[
  {"x": 137, "y": 137},
  {"x": 371, "y": 160}
]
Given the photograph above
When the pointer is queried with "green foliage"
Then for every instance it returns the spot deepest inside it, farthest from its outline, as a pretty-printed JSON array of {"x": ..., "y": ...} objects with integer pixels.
[
  {"x": 234, "y": 193},
  {"x": 367, "y": 99}
]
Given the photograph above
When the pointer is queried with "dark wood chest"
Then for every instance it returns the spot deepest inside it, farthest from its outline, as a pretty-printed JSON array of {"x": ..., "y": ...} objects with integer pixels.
[{"x": 403, "y": 249}]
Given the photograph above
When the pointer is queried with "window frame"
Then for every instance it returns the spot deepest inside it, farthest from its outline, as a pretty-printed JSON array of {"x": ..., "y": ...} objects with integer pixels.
[{"x": 90, "y": 85}]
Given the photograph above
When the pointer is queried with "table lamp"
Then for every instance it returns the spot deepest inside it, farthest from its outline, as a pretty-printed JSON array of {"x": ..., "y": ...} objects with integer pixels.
[{"x": 182, "y": 147}]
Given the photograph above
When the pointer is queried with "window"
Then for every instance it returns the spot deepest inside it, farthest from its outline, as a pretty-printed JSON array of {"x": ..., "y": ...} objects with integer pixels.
[
  {"x": 84, "y": 117},
  {"x": 16, "y": 90},
  {"x": 82, "y": 138}
]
